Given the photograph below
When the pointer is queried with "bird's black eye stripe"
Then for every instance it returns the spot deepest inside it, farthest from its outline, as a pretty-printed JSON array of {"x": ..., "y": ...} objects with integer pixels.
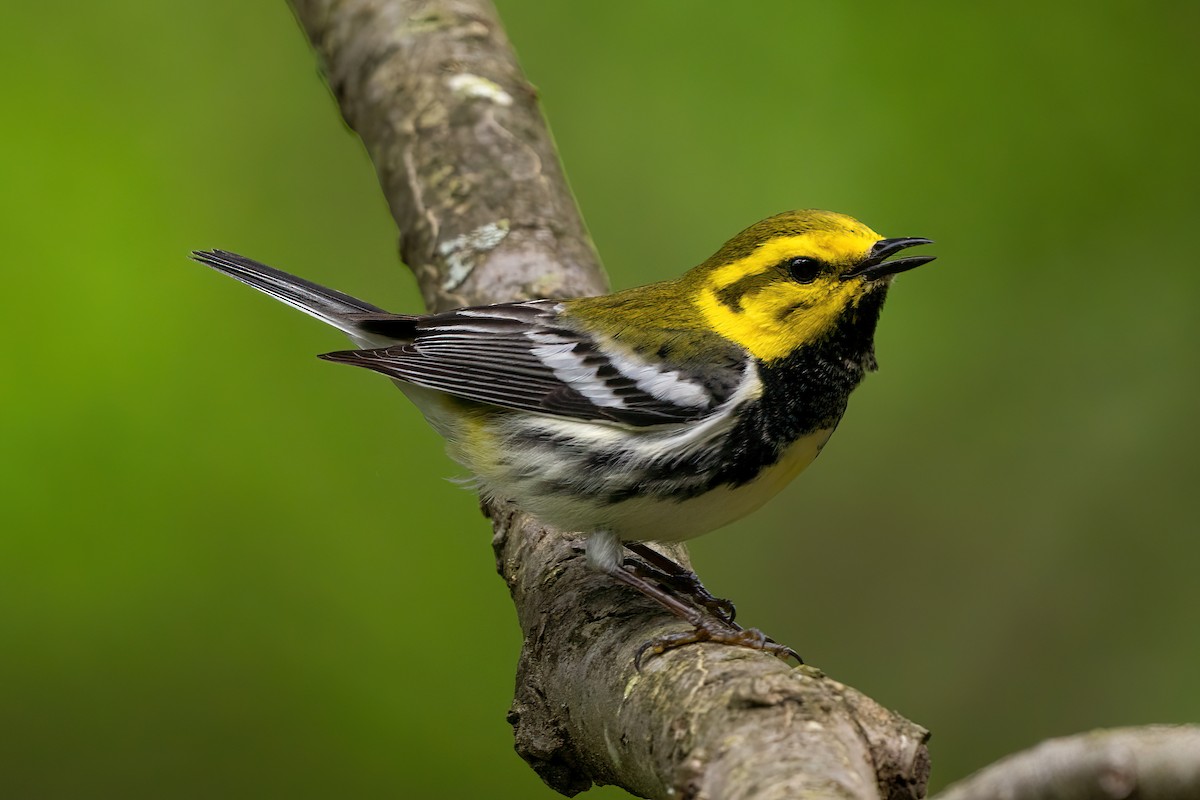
[{"x": 804, "y": 269}]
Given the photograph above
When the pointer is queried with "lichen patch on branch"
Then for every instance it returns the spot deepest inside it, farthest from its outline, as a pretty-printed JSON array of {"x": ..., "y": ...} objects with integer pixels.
[
  {"x": 468, "y": 85},
  {"x": 461, "y": 251}
]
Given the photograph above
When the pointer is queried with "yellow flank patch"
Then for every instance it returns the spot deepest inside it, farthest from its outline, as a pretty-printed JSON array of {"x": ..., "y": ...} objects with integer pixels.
[
  {"x": 775, "y": 315},
  {"x": 465, "y": 425},
  {"x": 477, "y": 442}
]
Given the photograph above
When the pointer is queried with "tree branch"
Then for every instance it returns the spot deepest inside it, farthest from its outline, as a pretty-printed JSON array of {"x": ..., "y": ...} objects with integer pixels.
[{"x": 485, "y": 215}]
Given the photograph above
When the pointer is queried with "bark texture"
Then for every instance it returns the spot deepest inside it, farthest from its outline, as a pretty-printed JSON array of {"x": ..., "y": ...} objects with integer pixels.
[
  {"x": 485, "y": 215},
  {"x": 703, "y": 721},
  {"x": 463, "y": 156}
]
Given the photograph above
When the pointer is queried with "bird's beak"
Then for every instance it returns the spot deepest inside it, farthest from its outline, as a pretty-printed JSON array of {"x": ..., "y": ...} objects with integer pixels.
[{"x": 874, "y": 266}]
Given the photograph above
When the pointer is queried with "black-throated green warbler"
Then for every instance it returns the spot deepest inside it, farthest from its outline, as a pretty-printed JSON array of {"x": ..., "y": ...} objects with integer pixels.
[{"x": 653, "y": 414}]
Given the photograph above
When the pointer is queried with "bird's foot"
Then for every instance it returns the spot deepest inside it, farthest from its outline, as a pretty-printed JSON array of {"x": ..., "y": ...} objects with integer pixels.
[{"x": 718, "y": 632}]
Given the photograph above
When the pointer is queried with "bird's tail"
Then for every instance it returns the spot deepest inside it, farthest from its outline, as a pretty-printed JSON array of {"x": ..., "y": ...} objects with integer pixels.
[{"x": 359, "y": 320}]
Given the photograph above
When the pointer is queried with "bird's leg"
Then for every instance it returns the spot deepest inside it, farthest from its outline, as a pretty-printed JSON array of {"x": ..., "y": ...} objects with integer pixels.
[
  {"x": 667, "y": 571},
  {"x": 604, "y": 553}
]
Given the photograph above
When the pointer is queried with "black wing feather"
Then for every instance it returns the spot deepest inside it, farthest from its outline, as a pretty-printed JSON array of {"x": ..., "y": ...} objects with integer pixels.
[{"x": 490, "y": 354}]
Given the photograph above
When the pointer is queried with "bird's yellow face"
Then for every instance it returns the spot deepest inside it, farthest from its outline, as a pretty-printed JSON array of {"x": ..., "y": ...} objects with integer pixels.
[{"x": 785, "y": 282}]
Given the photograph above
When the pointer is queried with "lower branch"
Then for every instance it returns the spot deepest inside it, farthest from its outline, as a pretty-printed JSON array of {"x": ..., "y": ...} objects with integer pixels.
[{"x": 1157, "y": 762}]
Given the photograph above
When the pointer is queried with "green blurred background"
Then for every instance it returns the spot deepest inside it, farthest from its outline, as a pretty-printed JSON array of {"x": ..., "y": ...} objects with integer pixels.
[{"x": 230, "y": 570}]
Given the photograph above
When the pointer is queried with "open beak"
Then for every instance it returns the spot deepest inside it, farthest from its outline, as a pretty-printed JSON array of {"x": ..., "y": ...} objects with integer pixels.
[{"x": 875, "y": 265}]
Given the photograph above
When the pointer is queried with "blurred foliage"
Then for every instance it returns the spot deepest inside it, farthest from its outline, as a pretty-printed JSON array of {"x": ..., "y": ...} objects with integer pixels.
[{"x": 230, "y": 570}]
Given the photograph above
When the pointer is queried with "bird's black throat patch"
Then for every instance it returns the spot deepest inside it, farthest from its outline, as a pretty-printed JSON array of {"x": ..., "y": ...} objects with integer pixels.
[{"x": 804, "y": 392}]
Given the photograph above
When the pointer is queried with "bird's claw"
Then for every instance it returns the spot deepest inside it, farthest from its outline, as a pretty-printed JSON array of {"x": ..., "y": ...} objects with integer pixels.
[{"x": 718, "y": 633}]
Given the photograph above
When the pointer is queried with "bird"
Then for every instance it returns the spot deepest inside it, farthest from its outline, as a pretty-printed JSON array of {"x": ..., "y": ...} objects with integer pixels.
[{"x": 649, "y": 415}]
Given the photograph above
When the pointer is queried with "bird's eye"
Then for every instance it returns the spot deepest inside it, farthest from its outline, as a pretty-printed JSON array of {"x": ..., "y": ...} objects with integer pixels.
[{"x": 804, "y": 269}]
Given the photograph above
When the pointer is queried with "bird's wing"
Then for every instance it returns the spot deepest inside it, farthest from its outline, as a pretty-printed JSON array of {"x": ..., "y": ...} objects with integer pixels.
[{"x": 525, "y": 356}]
